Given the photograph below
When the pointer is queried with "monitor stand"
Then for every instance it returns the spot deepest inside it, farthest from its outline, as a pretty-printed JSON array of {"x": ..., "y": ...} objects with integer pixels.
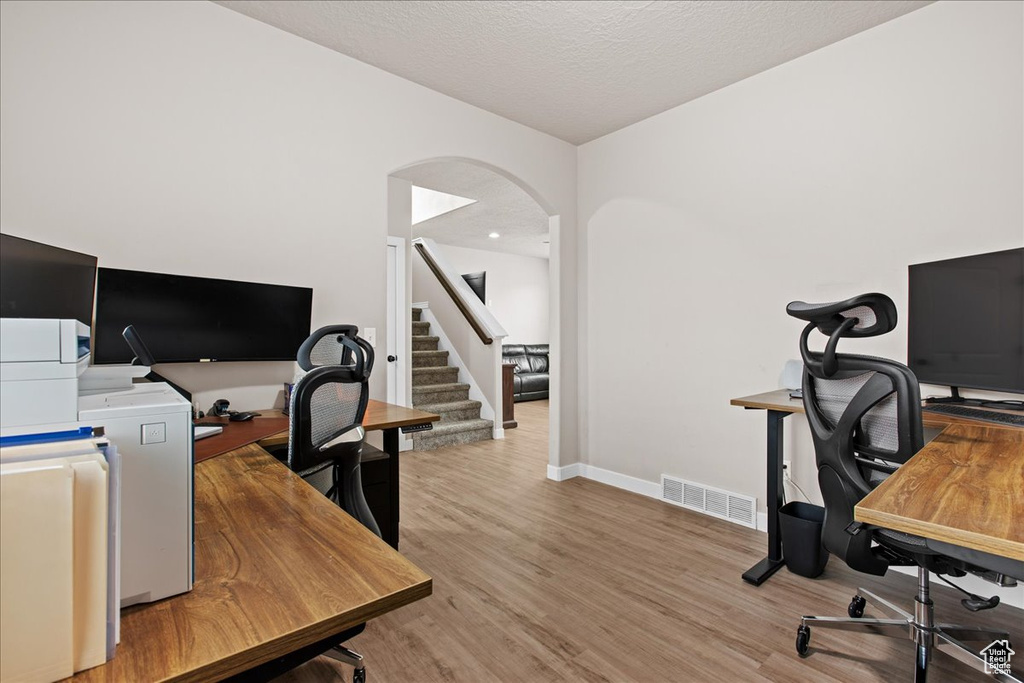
[
  {"x": 955, "y": 398},
  {"x": 1007, "y": 404}
]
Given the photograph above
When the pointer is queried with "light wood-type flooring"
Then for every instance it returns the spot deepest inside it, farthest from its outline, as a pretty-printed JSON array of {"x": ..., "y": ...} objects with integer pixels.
[{"x": 577, "y": 581}]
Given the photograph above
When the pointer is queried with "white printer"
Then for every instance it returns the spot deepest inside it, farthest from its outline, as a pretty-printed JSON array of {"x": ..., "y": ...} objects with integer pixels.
[
  {"x": 152, "y": 427},
  {"x": 46, "y": 384},
  {"x": 42, "y": 361}
]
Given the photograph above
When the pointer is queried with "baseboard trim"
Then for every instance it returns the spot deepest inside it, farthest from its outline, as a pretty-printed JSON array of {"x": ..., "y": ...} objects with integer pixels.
[
  {"x": 651, "y": 489},
  {"x": 563, "y": 473}
]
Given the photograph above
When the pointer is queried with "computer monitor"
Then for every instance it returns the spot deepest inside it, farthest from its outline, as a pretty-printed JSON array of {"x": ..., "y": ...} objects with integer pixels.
[
  {"x": 42, "y": 281},
  {"x": 966, "y": 322},
  {"x": 190, "y": 319},
  {"x": 478, "y": 283}
]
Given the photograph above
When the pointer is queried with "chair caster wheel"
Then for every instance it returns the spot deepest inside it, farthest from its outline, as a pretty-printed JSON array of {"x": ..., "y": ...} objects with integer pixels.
[
  {"x": 803, "y": 639},
  {"x": 856, "y": 608},
  {"x": 359, "y": 676}
]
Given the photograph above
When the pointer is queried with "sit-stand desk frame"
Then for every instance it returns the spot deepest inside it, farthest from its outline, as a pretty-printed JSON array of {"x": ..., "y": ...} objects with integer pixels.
[
  {"x": 774, "y": 560},
  {"x": 780, "y": 406}
]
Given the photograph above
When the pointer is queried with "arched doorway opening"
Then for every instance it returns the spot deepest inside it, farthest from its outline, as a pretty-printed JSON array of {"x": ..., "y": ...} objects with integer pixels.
[{"x": 527, "y": 227}]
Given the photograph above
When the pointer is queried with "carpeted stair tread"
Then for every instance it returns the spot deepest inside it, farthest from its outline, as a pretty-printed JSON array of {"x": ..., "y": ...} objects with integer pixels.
[
  {"x": 435, "y": 375},
  {"x": 424, "y": 342},
  {"x": 453, "y": 411},
  {"x": 429, "y": 359},
  {"x": 455, "y": 427},
  {"x": 434, "y": 388}
]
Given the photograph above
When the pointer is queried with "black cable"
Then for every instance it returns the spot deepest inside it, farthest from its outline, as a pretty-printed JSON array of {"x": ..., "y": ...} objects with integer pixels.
[{"x": 947, "y": 581}]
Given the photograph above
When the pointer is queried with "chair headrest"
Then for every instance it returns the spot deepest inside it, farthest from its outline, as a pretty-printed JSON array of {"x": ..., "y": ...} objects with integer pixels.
[
  {"x": 874, "y": 313},
  {"x": 337, "y": 345}
]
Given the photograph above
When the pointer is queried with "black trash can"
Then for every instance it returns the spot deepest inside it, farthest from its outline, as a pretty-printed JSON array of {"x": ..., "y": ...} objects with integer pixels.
[{"x": 800, "y": 524}]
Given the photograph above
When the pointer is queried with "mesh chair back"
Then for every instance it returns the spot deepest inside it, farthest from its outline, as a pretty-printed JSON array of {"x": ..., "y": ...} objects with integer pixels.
[{"x": 327, "y": 403}]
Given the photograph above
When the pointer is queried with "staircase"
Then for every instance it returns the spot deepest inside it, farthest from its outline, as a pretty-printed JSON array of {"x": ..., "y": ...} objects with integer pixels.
[{"x": 436, "y": 389}]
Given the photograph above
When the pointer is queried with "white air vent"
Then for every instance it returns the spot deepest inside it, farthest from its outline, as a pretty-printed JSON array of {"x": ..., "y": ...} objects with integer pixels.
[
  {"x": 711, "y": 501},
  {"x": 672, "y": 490}
]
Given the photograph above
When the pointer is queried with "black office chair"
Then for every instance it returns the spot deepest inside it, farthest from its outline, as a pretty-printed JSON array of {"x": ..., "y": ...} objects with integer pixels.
[
  {"x": 325, "y": 446},
  {"x": 865, "y": 419}
]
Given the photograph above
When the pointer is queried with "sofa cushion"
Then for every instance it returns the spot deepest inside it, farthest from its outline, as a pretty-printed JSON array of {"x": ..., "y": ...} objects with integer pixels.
[
  {"x": 522, "y": 363},
  {"x": 536, "y": 349},
  {"x": 538, "y": 364},
  {"x": 532, "y": 381},
  {"x": 516, "y": 353},
  {"x": 513, "y": 350}
]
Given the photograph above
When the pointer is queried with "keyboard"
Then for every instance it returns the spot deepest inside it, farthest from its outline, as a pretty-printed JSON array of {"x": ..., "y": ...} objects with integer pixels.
[{"x": 1011, "y": 419}]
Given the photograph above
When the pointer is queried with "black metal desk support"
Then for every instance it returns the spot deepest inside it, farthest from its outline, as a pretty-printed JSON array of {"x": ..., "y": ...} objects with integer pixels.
[
  {"x": 760, "y": 572},
  {"x": 391, "y": 448}
]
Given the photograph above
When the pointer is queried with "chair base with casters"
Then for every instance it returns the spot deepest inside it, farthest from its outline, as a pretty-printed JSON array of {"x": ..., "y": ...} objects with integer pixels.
[
  {"x": 919, "y": 627},
  {"x": 327, "y": 647}
]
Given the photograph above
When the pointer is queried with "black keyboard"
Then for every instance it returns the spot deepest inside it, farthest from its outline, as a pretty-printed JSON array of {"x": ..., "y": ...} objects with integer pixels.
[{"x": 976, "y": 414}]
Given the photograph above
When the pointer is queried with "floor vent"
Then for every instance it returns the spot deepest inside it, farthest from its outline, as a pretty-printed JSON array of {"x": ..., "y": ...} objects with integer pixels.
[{"x": 711, "y": 501}]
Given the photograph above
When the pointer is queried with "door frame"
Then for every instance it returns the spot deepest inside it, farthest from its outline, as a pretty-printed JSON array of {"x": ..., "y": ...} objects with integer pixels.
[{"x": 398, "y": 316}]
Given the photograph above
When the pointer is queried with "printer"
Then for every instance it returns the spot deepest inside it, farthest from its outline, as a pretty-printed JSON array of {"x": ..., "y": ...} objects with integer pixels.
[
  {"x": 42, "y": 361},
  {"x": 47, "y": 385}
]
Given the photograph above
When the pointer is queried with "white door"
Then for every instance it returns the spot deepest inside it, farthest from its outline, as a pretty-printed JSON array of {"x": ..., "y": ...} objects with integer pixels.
[{"x": 398, "y": 323}]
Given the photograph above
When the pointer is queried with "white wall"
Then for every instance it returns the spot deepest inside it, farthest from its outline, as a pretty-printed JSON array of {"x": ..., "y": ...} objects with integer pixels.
[
  {"x": 817, "y": 180},
  {"x": 183, "y": 137},
  {"x": 517, "y": 290}
]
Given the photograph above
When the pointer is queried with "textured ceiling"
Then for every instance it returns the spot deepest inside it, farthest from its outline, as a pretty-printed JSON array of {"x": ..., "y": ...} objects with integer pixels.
[
  {"x": 501, "y": 207},
  {"x": 576, "y": 70}
]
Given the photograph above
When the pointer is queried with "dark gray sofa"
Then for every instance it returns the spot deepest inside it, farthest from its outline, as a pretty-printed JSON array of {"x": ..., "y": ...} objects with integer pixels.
[{"x": 531, "y": 372}]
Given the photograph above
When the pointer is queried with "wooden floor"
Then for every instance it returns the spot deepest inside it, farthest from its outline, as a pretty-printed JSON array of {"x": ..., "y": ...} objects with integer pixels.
[{"x": 577, "y": 581}]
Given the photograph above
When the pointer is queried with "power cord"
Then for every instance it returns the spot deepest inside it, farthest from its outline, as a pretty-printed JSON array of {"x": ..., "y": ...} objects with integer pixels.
[{"x": 786, "y": 477}]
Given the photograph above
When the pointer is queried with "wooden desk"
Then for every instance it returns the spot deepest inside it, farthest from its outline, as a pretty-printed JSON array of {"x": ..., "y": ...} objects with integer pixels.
[
  {"x": 277, "y": 567},
  {"x": 965, "y": 487},
  {"x": 388, "y": 418},
  {"x": 779, "y": 400},
  {"x": 779, "y": 406}
]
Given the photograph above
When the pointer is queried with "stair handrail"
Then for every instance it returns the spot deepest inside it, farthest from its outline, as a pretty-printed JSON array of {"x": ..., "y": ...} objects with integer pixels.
[{"x": 478, "y": 317}]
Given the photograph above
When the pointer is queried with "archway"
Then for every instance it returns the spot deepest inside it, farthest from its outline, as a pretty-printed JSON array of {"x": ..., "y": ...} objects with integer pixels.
[{"x": 400, "y": 225}]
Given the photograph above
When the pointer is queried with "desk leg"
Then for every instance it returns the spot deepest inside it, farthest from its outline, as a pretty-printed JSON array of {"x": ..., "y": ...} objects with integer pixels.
[
  {"x": 760, "y": 572},
  {"x": 391, "y": 448}
]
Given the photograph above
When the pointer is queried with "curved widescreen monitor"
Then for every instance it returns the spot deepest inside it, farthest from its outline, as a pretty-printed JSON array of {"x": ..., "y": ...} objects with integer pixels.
[
  {"x": 190, "y": 319},
  {"x": 966, "y": 322}
]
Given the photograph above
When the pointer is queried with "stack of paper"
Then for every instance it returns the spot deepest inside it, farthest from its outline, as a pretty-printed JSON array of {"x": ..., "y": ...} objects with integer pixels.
[{"x": 58, "y": 580}]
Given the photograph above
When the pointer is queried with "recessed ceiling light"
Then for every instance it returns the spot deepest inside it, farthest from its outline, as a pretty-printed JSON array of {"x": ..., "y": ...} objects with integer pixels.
[{"x": 494, "y": 235}]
